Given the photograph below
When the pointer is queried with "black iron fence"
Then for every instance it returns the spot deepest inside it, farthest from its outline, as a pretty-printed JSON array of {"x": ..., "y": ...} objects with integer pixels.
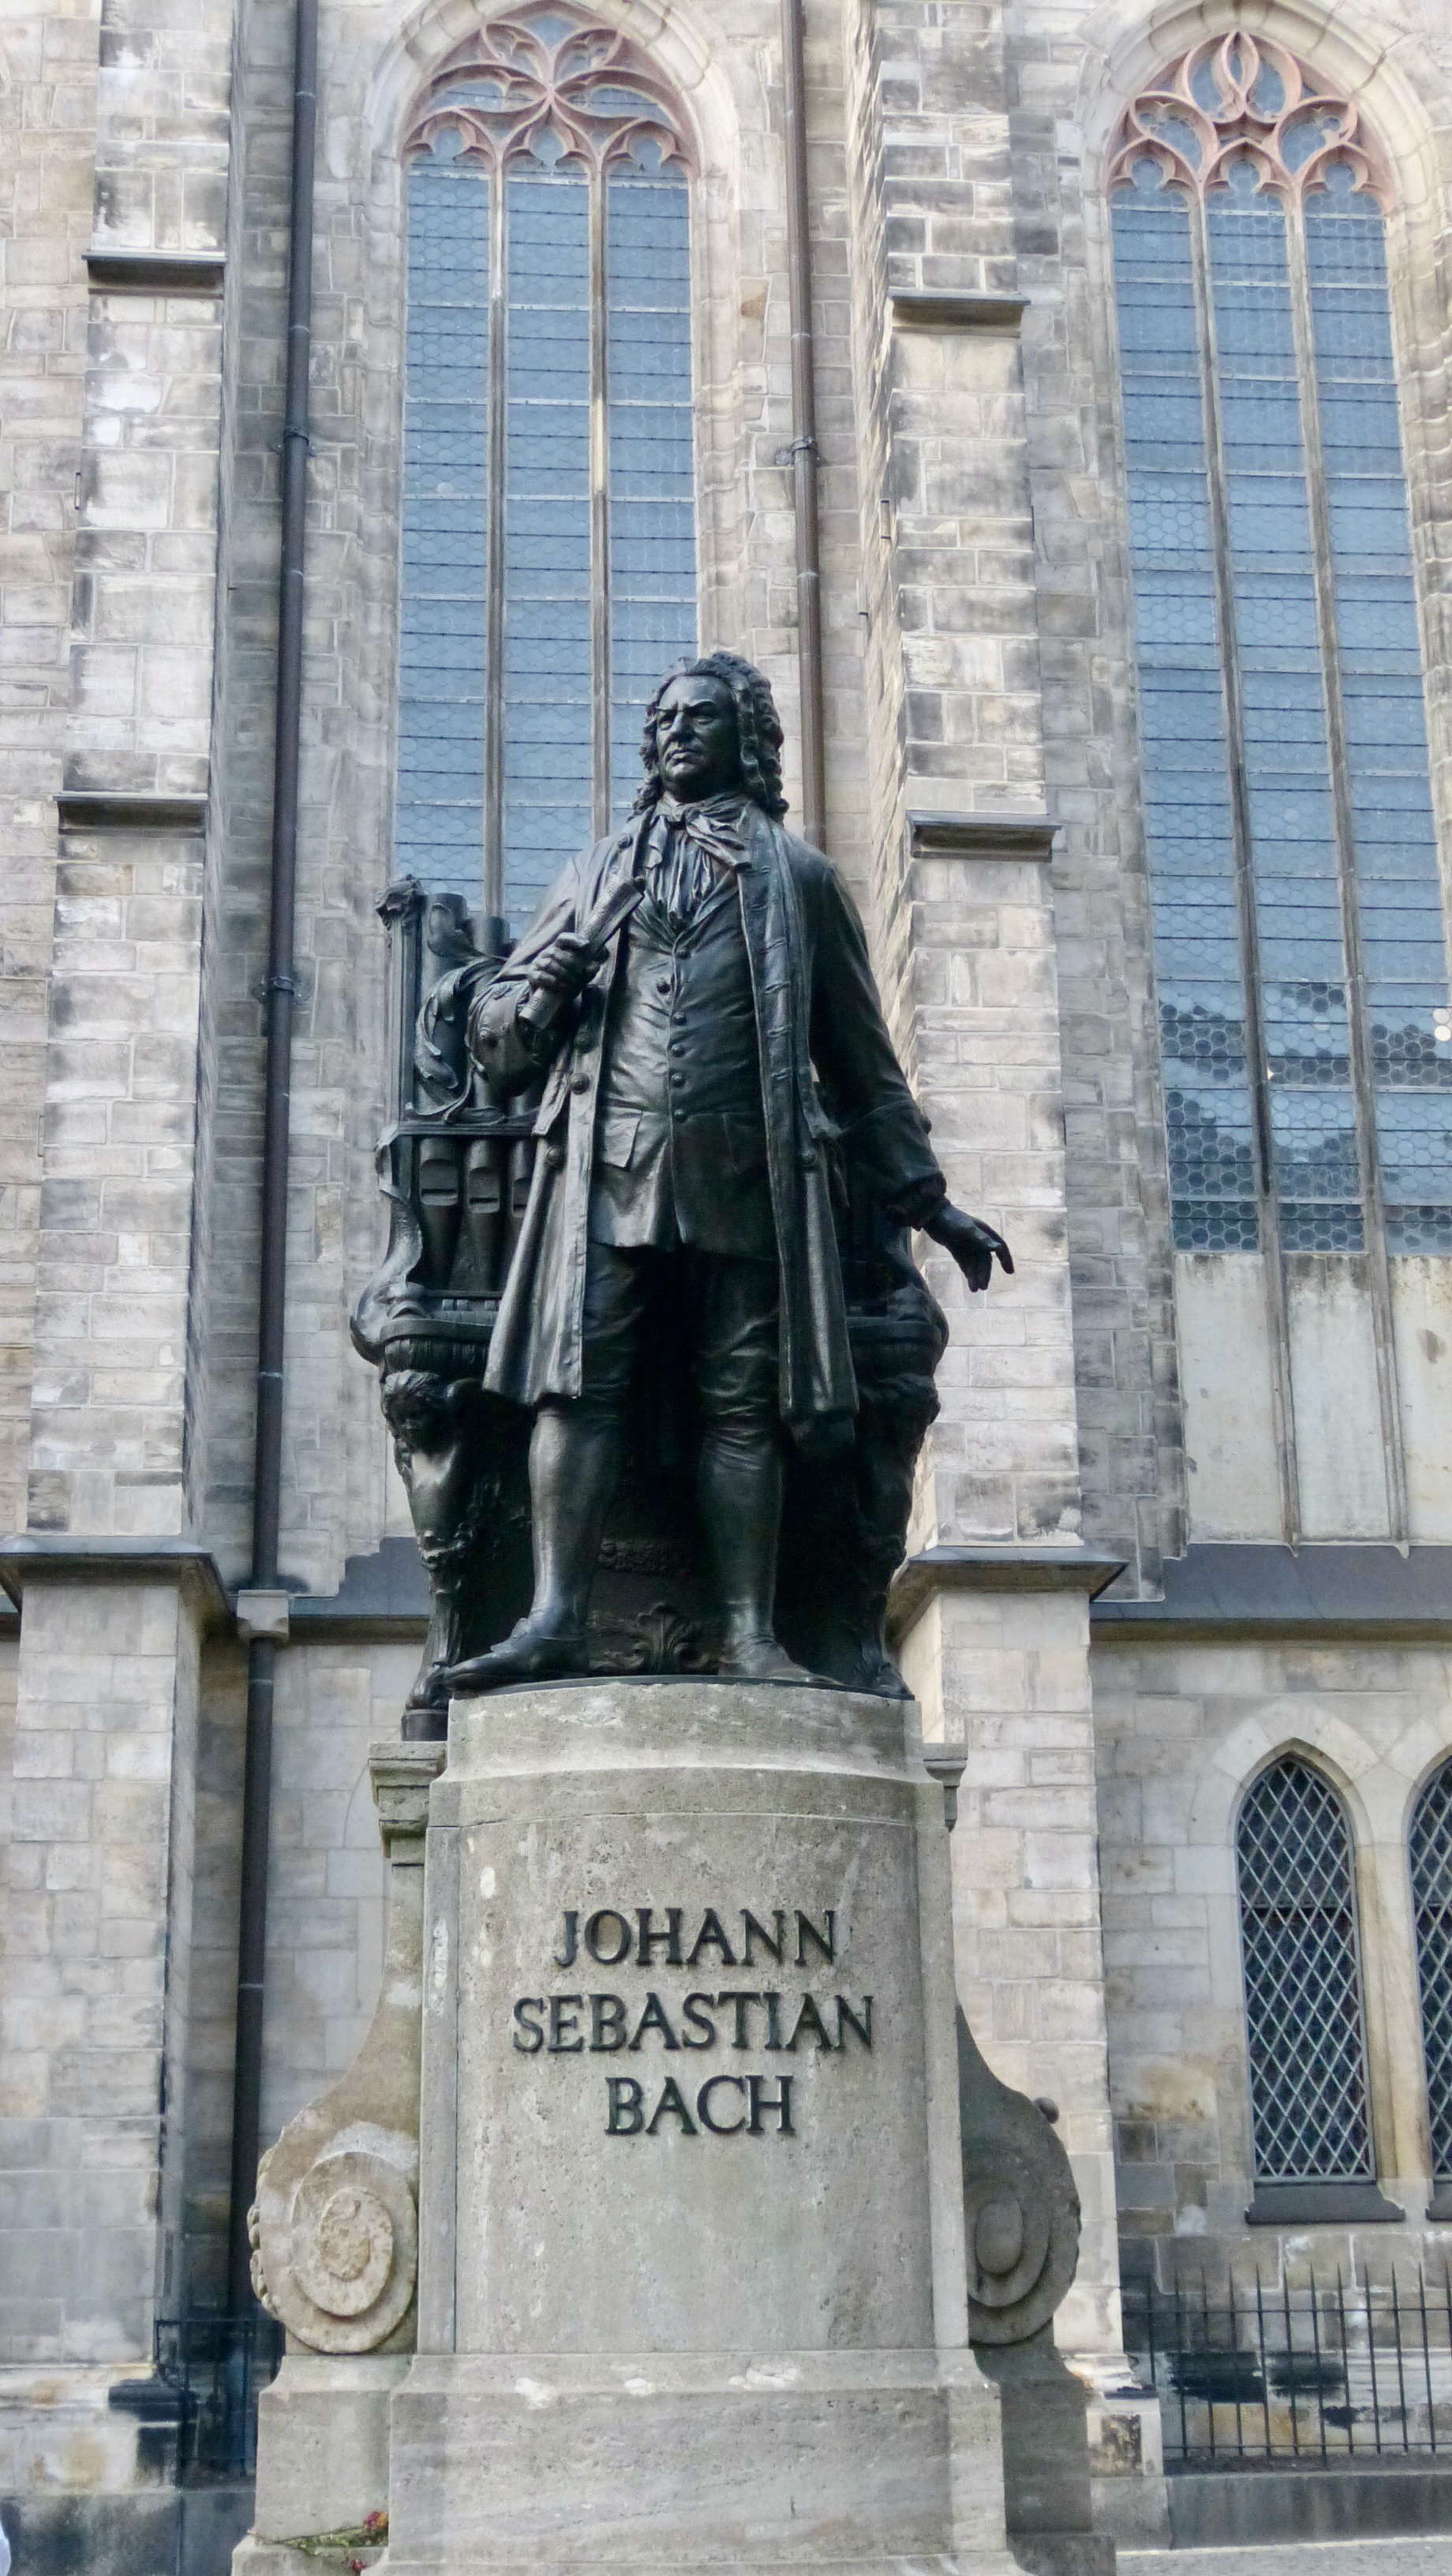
[
  {"x": 1320, "y": 2373},
  {"x": 216, "y": 2366}
]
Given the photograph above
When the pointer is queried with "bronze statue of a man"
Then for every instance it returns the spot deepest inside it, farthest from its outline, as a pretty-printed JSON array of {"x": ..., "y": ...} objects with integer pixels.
[{"x": 695, "y": 996}]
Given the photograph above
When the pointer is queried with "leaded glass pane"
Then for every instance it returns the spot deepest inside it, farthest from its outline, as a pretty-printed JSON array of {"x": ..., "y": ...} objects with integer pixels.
[
  {"x": 1431, "y": 1859},
  {"x": 652, "y": 482},
  {"x": 1294, "y": 863},
  {"x": 439, "y": 826},
  {"x": 1302, "y": 1980},
  {"x": 1398, "y": 891},
  {"x": 547, "y": 701},
  {"x": 1182, "y": 714}
]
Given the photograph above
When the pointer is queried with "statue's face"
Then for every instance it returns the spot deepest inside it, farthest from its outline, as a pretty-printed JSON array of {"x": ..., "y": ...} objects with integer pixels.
[{"x": 695, "y": 740}]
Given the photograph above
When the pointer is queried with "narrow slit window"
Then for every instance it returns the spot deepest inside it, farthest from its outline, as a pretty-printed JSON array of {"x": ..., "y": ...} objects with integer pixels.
[
  {"x": 1300, "y": 952},
  {"x": 549, "y": 538}
]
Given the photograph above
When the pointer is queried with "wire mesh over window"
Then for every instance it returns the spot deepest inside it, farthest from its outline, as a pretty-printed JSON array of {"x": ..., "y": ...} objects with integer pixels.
[
  {"x": 549, "y": 544},
  {"x": 1303, "y": 2008},
  {"x": 1431, "y": 1859},
  {"x": 1305, "y": 1027}
]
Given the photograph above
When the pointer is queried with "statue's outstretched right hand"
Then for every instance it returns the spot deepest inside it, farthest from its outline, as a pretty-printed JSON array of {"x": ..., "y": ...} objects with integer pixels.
[{"x": 974, "y": 1246}]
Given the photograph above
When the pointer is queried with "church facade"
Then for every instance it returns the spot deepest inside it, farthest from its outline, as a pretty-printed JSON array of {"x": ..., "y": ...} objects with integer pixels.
[{"x": 1114, "y": 340}]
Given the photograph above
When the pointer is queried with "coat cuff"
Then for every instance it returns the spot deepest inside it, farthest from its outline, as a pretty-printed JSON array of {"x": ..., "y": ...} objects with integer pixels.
[{"x": 915, "y": 1205}]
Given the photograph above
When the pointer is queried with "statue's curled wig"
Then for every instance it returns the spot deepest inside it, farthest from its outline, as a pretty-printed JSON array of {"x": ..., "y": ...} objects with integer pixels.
[{"x": 758, "y": 730}]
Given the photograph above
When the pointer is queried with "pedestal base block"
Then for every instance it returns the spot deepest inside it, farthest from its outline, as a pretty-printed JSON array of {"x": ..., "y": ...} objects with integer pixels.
[
  {"x": 869, "y": 2463},
  {"x": 322, "y": 2443}
]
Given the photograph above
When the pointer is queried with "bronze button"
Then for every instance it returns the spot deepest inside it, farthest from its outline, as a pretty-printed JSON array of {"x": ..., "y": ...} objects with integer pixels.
[
  {"x": 554, "y": 1157},
  {"x": 808, "y": 1161},
  {"x": 579, "y": 1082},
  {"x": 663, "y": 984}
]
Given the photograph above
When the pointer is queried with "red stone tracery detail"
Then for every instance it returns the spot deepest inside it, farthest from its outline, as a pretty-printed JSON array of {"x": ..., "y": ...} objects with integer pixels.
[
  {"x": 1241, "y": 98},
  {"x": 549, "y": 82}
]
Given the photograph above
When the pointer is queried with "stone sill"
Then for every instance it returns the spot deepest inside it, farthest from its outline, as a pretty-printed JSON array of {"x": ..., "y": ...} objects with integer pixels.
[
  {"x": 156, "y": 272},
  {"x": 949, "y": 309},
  {"x": 85, "y": 809},
  {"x": 933, "y": 835},
  {"x": 1322, "y": 2204}
]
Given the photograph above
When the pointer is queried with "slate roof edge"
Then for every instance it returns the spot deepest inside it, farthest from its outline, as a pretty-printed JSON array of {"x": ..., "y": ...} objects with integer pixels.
[{"x": 1231, "y": 1587}]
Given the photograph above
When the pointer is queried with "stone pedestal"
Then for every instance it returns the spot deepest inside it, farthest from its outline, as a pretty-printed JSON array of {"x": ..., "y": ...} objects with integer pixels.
[{"x": 692, "y": 2269}]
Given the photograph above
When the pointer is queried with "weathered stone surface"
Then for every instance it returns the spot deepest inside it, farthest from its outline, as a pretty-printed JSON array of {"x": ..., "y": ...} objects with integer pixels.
[{"x": 322, "y": 2444}]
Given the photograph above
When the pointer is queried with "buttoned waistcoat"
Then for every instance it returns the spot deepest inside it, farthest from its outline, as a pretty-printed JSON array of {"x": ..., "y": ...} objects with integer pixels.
[{"x": 680, "y": 1139}]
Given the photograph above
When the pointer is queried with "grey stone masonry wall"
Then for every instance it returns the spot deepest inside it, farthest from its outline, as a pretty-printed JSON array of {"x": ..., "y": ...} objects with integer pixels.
[
  {"x": 47, "y": 158},
  {"x": 98, "y": 1887},
  {"x": 108, "y": 1449},
  {"x": 967, "y": 940},
  {"x": 109, "y": 1407},
  {"x": 98, "y": 1916}
]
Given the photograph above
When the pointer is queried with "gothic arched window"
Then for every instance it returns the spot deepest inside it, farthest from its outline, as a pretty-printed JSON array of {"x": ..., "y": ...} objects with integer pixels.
[
  {"x": 1304, "y": 2025},
  {"x": 1431, "y": 1859},
  {"x": 549, "y": 551},
  {"x": 1307, "y": 1041}
]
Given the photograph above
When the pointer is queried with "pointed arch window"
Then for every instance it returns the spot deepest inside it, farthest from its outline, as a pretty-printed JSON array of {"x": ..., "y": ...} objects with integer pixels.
[
  {"x": 1301, "y": 965},
  {"x": 549, "y": 548},
  {"x": 1431, "y": 1860},
  {"x": 1305, "y": 2027}
]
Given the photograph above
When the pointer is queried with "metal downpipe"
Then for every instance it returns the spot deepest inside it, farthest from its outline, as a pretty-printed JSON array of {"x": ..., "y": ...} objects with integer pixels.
[
  {"x": 803, "y": 449},
  {"x": 279, "y": 997}
]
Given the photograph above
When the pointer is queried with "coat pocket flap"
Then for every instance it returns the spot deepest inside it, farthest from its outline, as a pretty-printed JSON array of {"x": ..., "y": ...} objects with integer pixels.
[
  {"x": 745, "y": 1140},
  {"x": 615, "y": 1136}
]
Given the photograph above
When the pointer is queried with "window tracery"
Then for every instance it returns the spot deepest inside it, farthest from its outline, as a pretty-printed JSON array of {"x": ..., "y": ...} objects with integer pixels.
[
  {"x": 551, "y": 84},
  {"x": 1244, "y": 99}
]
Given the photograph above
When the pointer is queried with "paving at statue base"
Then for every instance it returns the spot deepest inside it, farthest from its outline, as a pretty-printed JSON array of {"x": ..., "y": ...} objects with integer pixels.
[{"x": 1429, "y": 2557}]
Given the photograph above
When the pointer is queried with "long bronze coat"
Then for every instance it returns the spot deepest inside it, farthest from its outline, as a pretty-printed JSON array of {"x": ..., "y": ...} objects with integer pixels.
[{"x": 819, "y": 1023}]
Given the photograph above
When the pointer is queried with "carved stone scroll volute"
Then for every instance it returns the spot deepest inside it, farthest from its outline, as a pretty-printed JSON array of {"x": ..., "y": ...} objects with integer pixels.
[
  {"x": 1020, "y": 2204},
  {"x": 335, "y": 2223}
]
